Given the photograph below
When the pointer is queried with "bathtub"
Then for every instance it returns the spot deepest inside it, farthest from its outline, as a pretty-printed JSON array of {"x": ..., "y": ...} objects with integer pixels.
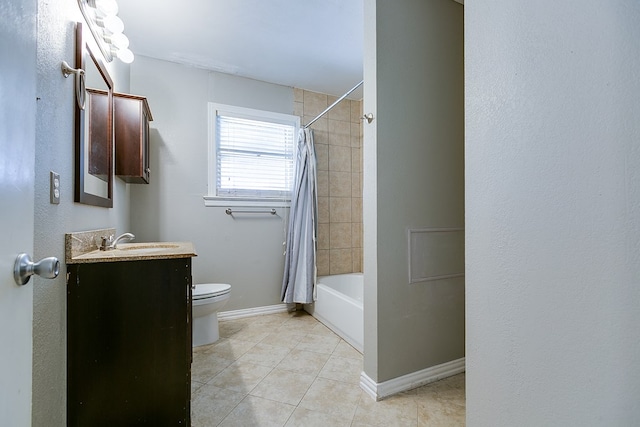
[{"x": 338, "y": 306}]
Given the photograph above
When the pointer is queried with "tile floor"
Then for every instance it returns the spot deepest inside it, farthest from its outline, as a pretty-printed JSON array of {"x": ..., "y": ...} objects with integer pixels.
[{"x": 288, "y": 369}]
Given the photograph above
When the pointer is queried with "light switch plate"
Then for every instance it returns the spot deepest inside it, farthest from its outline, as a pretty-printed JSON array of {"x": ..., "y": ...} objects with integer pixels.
[{"x": 54, "y": 188}]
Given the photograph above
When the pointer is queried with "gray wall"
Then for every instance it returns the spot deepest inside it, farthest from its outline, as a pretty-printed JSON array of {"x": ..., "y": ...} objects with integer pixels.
[
  {"x": 413, "y": 178},
  {"x": 245, "y": 252},
  {"x": 54, "y": 151},
  {"x": 553, "y": 202}
]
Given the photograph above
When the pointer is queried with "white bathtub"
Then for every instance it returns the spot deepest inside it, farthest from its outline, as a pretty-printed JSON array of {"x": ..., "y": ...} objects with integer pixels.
[{"x": 339, "y": 306}]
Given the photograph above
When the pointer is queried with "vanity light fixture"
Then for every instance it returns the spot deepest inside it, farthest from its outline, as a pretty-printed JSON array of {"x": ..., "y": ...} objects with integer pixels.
[{"x": 107, "y": 28}]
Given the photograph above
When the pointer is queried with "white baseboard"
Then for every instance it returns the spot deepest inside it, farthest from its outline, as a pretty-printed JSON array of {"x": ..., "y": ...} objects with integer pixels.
[
  {"x": 256, "y": 311},
  {"x": 379, "y": 391}
]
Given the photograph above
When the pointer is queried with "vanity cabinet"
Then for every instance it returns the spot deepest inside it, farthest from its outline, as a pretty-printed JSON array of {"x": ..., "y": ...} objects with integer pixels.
[
  {"x": 131, "y": 128},
  {"x": 129, "y": 343}
]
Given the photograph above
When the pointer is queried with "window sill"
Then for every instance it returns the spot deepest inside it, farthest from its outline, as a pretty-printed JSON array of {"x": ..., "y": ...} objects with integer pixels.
[{"x": 237, "y": 202}]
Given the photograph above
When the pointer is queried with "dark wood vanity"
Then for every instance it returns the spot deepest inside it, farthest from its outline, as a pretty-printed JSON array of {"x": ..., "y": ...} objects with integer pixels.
[
  {"x": 131, "y": 117},
  {"x": 129, "y": 340}
]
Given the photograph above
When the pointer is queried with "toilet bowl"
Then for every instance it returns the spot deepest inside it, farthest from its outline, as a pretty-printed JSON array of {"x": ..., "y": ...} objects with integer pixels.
[{"x": 208, "y": 299}]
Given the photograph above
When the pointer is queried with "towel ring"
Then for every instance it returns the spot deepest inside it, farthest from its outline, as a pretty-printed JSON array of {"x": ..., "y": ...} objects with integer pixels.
[{"x": 80, "y": 84}]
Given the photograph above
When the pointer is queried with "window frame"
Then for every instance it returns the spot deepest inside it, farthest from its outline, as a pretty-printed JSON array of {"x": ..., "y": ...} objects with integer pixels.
[{"x": 212, "y": 198}]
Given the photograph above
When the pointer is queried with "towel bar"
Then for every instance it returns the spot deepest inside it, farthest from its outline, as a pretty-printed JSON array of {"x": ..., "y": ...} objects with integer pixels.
[{"x": 230, "y": 211}]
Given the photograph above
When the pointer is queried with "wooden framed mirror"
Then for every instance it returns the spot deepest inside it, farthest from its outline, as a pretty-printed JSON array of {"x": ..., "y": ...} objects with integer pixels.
[{"x": 94, "y": 129}]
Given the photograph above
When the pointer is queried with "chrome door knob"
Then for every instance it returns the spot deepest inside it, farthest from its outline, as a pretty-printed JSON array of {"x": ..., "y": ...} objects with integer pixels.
[{"x": 24, "y": 268}]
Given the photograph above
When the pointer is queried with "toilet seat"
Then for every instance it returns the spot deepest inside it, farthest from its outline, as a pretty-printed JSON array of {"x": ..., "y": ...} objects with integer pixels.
[{"x": 210, "y": 290}]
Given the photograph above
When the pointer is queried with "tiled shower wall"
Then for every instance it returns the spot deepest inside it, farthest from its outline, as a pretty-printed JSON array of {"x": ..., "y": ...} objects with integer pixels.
[{"x": 338, "y": 141}]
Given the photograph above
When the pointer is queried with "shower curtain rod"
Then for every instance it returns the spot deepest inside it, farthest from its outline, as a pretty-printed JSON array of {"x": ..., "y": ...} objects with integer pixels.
[{"x": 333, "y": 105}]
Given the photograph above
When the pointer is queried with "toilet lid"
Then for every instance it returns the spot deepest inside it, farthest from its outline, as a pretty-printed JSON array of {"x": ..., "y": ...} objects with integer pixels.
[{"x": 208, "y": 290}]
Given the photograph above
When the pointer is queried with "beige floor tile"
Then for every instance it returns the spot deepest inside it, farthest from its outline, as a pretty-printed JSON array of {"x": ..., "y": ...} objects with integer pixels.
[
  {"x": 342, "y": 369},
  {"x": 401, "y": 410},
  {"x": 264, "y": 355},
  {"x": 205, "y": 366},
  {"x": 442, "y": 403},
  {"x": 283, "y": 386},
  {"x": 256, "y": 322},
  {"x": 449, "y": 391},
  {"x": 229, "y": 327},
  {"x": 304, "y": 362},
  {"x": 288, "y": 339},
  {"x": 332, "y": 397},
  {"x": 302, "y": 328},
  {"x": 300, "y": 322},
  {"x": 411, "y": 393},
  {"x": 270, "y": 320},
  {"x": 318, "y": 343},
  {"x": 306, "y": 418},
  {"x": 320, "y": 329},
  {"x": 240, "y": 377},
  {"x": 210, "y": 405},
  {"x": 230, "y": 349},
  {"x": 456, "y": 381},
  {"x": 204, "y": 348},
  {"x": 301, "y": 316},
  {"x": 265, "y": 327},
  {"x": 248, "y": 391},
  {"x": 250, "y": 334},
  {"x": 256, "y": 411},
  {"x": 195, "y": 386},
  {"x": 435, "y": 413},
  {"x": 452, "y": 397},
  {"x": 344, "y": 349},
  {"x": 451, "y": 383}
]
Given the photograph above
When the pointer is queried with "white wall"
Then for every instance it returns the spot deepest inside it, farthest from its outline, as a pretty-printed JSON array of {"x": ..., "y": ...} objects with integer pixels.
[
  {"x": 55, "y": 151},
  {"x": 552, "y": 185},
  {"x": 245, "y": 252},
  {"x": 413, "y": 178}
]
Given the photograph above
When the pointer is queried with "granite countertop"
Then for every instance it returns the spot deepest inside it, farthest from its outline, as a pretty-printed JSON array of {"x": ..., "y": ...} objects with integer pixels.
[
  {"x": 80, "y": 248},
  {"x": 138, "y": 252}
]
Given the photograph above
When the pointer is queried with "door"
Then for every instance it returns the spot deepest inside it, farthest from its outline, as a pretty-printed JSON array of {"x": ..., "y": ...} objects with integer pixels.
[{"x": 17, "y": 158}]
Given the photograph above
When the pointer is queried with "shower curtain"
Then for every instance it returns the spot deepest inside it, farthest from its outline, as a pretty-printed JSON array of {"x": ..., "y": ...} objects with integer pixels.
[{"x": 298, "y": 285}]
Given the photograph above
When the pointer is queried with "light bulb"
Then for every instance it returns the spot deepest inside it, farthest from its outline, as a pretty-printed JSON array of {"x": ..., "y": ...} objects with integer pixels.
[
  {"x": 107, "y": 7},
  {"x": 111, "y": 23},
  {"x": 118, "y": 40},
  {"x": 125, "y": 55}
]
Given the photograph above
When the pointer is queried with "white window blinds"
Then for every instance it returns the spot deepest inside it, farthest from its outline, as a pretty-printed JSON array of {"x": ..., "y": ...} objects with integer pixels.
[{"x": 253, "y": 156}]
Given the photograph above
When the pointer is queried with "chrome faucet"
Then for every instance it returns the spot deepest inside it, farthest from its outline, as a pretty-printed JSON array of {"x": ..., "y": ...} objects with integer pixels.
[{"x": 108, "y": 245}]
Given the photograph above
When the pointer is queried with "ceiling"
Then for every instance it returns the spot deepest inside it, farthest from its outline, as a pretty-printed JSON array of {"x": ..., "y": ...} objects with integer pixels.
[{"x": 315, "y": 45}]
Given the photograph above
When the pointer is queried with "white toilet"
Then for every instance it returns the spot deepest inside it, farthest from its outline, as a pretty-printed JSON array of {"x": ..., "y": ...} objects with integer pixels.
[{"x": 208, "y": 299}]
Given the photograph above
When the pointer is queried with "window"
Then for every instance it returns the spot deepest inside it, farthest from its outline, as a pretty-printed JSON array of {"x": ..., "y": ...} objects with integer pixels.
[{"x": 251, "y": 156}]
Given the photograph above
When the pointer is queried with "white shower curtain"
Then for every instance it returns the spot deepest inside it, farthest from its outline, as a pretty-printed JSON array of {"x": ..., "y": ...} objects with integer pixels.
[{"x": 298, "y": 285}]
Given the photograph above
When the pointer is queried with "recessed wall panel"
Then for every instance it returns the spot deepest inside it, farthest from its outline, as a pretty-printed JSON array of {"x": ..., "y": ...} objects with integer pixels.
[{"x": 435, "y": 253}]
